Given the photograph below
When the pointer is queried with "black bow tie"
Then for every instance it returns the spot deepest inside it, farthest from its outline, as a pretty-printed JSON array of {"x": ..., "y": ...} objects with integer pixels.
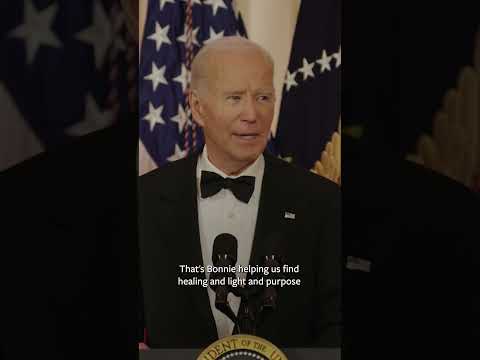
[{"x": 242, "y": 187}]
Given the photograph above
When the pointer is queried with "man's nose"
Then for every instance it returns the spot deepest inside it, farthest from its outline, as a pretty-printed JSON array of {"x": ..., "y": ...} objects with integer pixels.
[{"x": 249, "y": 110}]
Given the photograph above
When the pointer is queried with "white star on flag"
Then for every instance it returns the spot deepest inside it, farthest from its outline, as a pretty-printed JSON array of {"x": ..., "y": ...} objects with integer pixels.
[
  {"x": 214, "y": 35},
  {"x": 183, "y": 38},
  {"x": 99, "y": 34},
  {"x": 290, "y": 80},
  {"x": 182, "y": 78},
  {"x": 324, "y": 62},
  {"x": 307, "y": 69},
  {"x": 94, "y": 119},
  {"x": 181, "y": 118},
  {"x": 154, "y": 116},
  {"x": 338, "y": 57},
  {"x": 160, "y": 36},
  {"x": 215, "y": 4},
  {"x": 163, "y": 2},
  {"x": 36, "y": 29},
  {"x": 157, "y": 76},
  {"x": 178, "y": 154},
  {"x": 288, "y": 159}
]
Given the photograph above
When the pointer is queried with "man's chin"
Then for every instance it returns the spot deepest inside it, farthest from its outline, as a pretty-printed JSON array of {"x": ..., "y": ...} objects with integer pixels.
[{"x": 248, "y": 157}]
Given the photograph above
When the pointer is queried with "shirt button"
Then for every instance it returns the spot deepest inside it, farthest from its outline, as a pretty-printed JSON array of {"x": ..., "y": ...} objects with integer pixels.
[{"x": 231, "y": 215}]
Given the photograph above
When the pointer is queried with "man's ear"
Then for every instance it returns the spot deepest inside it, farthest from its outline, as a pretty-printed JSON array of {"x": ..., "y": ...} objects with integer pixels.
[{"x": 196, "y": 107}]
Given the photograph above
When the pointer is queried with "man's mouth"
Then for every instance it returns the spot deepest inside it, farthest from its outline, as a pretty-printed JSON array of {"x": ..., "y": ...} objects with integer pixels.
[{"x": 246, "y": 136}]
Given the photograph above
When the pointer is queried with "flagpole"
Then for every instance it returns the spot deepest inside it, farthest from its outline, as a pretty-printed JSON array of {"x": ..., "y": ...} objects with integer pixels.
[{"x": 188, "y": 64}]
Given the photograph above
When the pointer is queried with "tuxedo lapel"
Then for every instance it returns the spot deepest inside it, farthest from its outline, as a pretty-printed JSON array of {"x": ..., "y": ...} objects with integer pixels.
[
  {"x": 187, "y": 244},
  {"x": 269, "y": 226}
]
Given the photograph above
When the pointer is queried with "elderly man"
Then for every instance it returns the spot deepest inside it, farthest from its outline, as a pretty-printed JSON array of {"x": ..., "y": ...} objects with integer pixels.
[{"x": 232, "y": 98}]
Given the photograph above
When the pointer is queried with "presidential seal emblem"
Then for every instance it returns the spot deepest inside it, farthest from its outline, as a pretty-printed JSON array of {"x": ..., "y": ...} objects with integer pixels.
[{"x": 242, "y": 347}]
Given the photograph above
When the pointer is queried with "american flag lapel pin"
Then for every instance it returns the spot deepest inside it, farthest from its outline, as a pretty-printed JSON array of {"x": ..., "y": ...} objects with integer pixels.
[{"x": 289, "y": 215}]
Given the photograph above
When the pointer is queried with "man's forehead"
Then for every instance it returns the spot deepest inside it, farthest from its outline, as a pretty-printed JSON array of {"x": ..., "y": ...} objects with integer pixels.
[
  {"x": 232, "y": 59},
  {"x": 232, "y": 80},
  {"x": 238, "y": 67}
]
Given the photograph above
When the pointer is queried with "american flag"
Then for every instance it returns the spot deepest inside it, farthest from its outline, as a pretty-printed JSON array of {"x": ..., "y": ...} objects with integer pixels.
[
  {"x": 174, "y": 32},
  {"x": 310, "y": 108},
  {"x": 65, "y": 71}
]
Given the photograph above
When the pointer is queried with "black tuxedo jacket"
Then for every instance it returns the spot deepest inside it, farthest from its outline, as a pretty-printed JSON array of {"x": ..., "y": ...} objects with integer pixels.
[{"x": 180, "y": 316}]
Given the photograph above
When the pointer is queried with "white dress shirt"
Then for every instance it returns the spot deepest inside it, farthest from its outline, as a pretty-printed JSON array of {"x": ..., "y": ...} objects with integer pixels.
[{"x": 224, "y": 213}]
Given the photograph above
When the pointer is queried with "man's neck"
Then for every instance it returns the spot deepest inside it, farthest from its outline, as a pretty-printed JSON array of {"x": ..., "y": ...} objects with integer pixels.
[
  {"x": 226, "y": 167},
  {"x": 230, "y": 169}
]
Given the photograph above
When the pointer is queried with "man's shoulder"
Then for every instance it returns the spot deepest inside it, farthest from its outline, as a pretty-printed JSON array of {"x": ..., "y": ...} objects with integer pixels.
[
  {"x": 168, "y": 181},
  {"x": 170, "y": 172},
  {"x": 301, "y": 180}
]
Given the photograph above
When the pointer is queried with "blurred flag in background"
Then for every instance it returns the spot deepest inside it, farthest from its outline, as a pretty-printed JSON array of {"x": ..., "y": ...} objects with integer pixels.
[
  {"x": 310, "y": 109},
  {"x": 174, "y": 32},
  {"x": 67, "y": 69}
]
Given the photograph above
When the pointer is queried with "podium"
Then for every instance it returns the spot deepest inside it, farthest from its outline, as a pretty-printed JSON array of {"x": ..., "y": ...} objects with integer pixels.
[{"x": 191, "y": 354}]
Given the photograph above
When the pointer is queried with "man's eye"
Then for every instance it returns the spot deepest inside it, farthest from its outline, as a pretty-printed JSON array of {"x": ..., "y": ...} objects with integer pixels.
[
  {"x": 263, "y": 98},
  {"x": 234, "y": 98}
]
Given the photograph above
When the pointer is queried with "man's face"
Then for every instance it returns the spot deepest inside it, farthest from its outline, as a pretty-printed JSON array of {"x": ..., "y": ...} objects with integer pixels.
[{"x": 236, "y": 109}]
